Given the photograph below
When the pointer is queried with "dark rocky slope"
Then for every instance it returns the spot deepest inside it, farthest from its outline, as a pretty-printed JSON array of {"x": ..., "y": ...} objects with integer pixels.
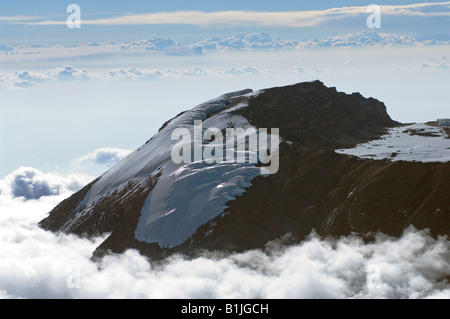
[{"x": 334, "y": 195}]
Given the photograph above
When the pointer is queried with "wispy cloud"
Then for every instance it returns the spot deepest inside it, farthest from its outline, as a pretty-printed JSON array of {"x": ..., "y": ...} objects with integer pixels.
[
  {"x": 107, "y": 156},
  {"x": 258, "y": 18},
  {"x": 14, "y": 19},
  {"x": 205, "y": 19}
]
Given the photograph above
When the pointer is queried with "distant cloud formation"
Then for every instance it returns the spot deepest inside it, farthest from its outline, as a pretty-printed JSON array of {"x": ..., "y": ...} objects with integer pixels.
[
  {"x": 241, "y": 41},
  {"x": 29, "y": 183},
  {"x": 132, "y": 74},
  {"x": 241, "y": 71},
  {"x": 168, "y": 47},
  {"x": 156, "y": 43},
  {"x": 265, "y": 41},
  {"x": 28, "y": 79},
  {"x": 106, "y": 156},
  {"x": 245, "y": 41},
  {"x": 289, "y": 19},
  {"x": 61, "y": 73},
  {"x": 66, "y": 73},
  {"x": 159, "y": 43},
  {"x": 362, "y": 39}
]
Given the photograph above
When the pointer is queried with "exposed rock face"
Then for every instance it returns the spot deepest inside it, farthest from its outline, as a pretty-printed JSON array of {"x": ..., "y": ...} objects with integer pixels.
[
  {"x": 315, "y": 188},
  {"x": 314, "y": 115},
  {"x": 335, "y": 195},
  {"x": 444, "y": 122},
  {"x": 116, "y": 213}
]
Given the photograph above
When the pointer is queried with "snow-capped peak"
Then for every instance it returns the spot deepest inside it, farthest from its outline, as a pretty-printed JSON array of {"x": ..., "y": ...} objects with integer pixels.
[{"x": 186, "y": 195}]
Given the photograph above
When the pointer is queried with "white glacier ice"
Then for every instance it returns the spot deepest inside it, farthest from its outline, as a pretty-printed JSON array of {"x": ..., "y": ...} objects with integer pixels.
[
  {"x": 186, "y": 195},
  {"x": 416, "y": 142}
]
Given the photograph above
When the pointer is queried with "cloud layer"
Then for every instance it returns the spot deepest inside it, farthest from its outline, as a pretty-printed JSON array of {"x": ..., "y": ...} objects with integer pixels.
[
  {"x": 236, "y": 43},
  {"x": 241, "y": 41},
  {"x": 29, "y": 79},
  {"x": 40, "y": 264}
]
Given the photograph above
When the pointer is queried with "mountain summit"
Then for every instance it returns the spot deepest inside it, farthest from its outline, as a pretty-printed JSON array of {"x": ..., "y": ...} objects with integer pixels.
[{"x": 159, "y": 205}]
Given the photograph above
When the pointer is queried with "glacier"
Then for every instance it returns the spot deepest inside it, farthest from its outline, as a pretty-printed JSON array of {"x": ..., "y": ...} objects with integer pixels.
[
  {"x": 415, "y": 142},
  {"x": 186, "y": 195}
]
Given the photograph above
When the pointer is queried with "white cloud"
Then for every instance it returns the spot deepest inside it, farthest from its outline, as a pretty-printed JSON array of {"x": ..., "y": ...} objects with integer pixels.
[
  {"x": 132, "y": 74},
  {"x": 107, "y": 156},
  {"x": 266, "y": 41},
  {"x": 31, "y": 78},
  {"x": 35, "y": 263},
  {"x": 24, "y": 84},
  {"x": 241, "y": 71},
  {"x": 40, "y": 264},
  {"x": 143, "y": 74},
  {"x": 15, "y": 19},
  {"x": 30, "y": 183},
  {"x": 260, "y": 18},
  {"x": 192, "y": 71},
  {"x": 68, "y": 73},
  {"x": 362, "y": 39},
  {"x": 246, "y": 42},
  {"x": 155, "y": 43},
  {"x": 28, "y": 79}
]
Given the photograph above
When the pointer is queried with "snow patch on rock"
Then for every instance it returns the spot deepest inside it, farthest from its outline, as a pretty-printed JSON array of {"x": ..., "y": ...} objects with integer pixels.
[{"x": 416, "y": 142}]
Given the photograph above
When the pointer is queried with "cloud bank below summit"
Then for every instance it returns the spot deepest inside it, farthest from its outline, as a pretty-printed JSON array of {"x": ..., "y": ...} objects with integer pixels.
[{"x": 40, "y": 264}]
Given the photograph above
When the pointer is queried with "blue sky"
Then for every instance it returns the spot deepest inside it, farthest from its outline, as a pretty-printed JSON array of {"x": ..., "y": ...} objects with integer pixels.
[
  {"x": 16, "y": 31},
  {"x": 63, "y": 98},
  {"x": 99, "y": 7}
]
